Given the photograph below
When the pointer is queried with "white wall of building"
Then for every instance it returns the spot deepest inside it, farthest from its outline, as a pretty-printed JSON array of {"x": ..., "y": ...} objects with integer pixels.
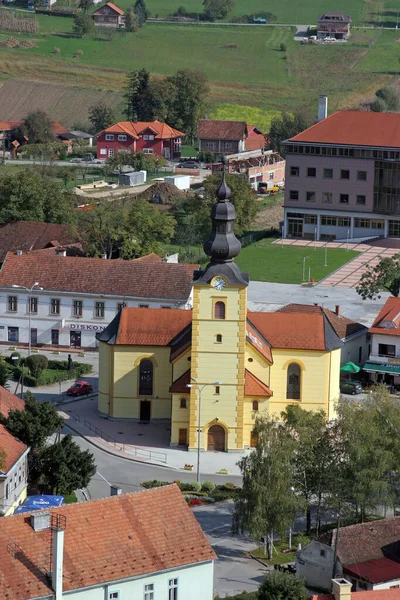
[
  {"x": 315, "y": 564},
  {"x": 355, "y": 350},
  {"x": 66, "y": 322},
  {"x": 387, "y": 340},
  {"x": 13, "y": 485}
]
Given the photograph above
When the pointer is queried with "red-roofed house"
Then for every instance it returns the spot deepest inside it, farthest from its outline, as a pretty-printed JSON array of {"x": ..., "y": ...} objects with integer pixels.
[
  {"x": 109, "y": 15},
  {"x": 341, "y": 177},
  {"x": 228, "y": 137},
  {"x": 383, "y": 364},
  {"x": 136, "y": 136},
  {"x": 146, "y": 545},
  {"x": 342, "y": 590}
]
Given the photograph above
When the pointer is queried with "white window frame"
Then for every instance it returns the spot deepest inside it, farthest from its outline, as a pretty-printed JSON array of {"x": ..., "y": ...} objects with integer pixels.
[
  {"x": 103, "y": 151},
  {"x": 33, "y": 300},
  {"x": 151, "y": 137},
  {"x": 109, "y": 137},
  {"x": 173, "y": 589},
  {"x": 99, "y": 310},
  {"x": 148, "y": 150},
  {"x": 111, "y": 153},
  {"x": 75, "y": 312},
  {"x": 12, "y": 301},
  {"x": 145, "y": 137},
  {"x": 55, "y": 300},
  {"x": 122, "y": 138},
  {"x": 114, "y": 595},
  {"x": 148, "y": 591}
]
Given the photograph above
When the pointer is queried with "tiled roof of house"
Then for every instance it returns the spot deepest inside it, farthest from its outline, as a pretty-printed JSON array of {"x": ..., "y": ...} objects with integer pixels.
[
  {"x": 378, "y": 570},
  {"x": 9, "y": 401},
  {"x": 162, "y": 131},
  {"x": 56, "y": 128},
  {"x": 340, "y": 17},
  {"x": 105, "y": 540},
  {"x": 367, "y": 595},
  {"x": 296, "y": 330},
  {"x": 139, "y": 279},
  {"x": 355, "y": 128},
  {"x": 114, "y": 7},
  {"x": 343, "y": 326},
  {"x": 180, "y": 385},
  {"x": 388, "y": 320},
  {"x": 9, "y": 125},
  {"x": 12, "y": 448},
  {"x": 255, "y": 140},
  {"x": 31, "y": 235},
  {"x": 209, "y": 129},
  {"x": 146, "y": 326},
  {"x": 254, "y": 387}
]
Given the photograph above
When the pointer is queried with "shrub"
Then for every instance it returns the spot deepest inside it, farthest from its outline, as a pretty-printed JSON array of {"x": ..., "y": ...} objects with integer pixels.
[
  {"x": 56, "y": 50},
  {"x": 282, "y": 47},
  {"x": 208, "y": 486},
  {"x": 36, "y": 364},
  {"x": 78, "y": 53},
  {"x": 230, "y": 486},
  {"x": 192, "y": 486},
  {"x": 13, "y": 361},
  {"x": 152, "y": 484}
]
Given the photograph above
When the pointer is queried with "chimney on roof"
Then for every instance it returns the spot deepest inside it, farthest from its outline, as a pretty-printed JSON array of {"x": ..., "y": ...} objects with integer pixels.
[
  {"x": 61, "y": 251},
  {"x": 337, "y": 309},
  {"x": 19, "y": 253},
  {"x": 341, "y": 589},
  {"x": 322, "y": 108},
  {"x": 57, "y": 563},
  {"x": 40, "y": 520}
]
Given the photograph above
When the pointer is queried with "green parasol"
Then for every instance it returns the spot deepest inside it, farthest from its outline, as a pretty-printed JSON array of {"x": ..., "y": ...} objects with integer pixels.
[{"x": 350, "y": 367}]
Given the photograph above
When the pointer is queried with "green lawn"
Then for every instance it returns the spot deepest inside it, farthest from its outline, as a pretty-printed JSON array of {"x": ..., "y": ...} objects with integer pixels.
[
  {"x": 278, "y": 556},
  {"x": 266, "y": 261}
]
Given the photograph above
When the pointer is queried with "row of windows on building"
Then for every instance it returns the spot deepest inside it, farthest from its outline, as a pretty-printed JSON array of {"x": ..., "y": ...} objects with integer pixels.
[
  {"x": 350, "y": 152},
  {"x": 327, "y": 197},
  {"x": 328, "y": 173},
  {"x": 14, "y": 480},
  {"x": 110, "y": 137},
  {"x": 226, "y": 145},
  {"x": 55, "y": 306},
  {"x": 149, "y": 591},
  {"x": 344, "y": 222}
]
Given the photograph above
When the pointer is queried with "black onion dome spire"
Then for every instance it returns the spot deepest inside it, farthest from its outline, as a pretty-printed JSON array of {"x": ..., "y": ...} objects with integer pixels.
[{"x": 222, "y": 245}]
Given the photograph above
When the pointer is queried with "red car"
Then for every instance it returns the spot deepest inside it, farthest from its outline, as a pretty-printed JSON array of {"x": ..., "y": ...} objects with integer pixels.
[{"x": 80, "y": 388}]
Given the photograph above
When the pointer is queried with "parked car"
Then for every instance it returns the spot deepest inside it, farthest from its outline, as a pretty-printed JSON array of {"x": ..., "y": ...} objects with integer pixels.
[
  {"x": 76, "y": 160},
  {"x": 80, "y": 388},
  {"x": 351, "y": 387},
  {"x": 188, "y": 164},
  {"x": 329, "y": 39}
]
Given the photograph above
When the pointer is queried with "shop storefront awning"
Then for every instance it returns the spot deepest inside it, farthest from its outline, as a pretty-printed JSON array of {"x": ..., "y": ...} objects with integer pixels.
[{"x": 371, "y": 367}]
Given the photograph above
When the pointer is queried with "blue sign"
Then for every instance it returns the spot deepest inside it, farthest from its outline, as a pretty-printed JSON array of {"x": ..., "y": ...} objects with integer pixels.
[{"x": 39, "y": 503}]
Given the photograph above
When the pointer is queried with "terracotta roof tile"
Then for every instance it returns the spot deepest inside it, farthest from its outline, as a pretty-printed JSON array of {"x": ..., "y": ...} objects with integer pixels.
[
  {"x": 9, "y": 401},
  {"x": 162, "y": 130},
  {"x": 180, "y": 385},
  {"x": 12, "y": 447},
  {"x": 209, "y": 129},
  {"x": 254, "y": 387},
  {"x": 115, "y": 7},
  {"x": 105, "y": 540},
  {"x": 368, "y": 595},
  {"x": 388, "y": 320},
  {"x": 355, "y": 128},
  {"x": 30, "y": 235},
  {"x": 378, "y": 570},
  {"x": 342, "y": 326},
  {"x": 151, "y": 326},
  {"x": 139, "y": 279}
]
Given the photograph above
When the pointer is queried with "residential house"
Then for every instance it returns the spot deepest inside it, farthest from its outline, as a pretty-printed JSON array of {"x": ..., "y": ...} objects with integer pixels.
[
  {"x": 260, "y": 362},
  {"x": 77, "y": 297},
  {"x": 109, "y": 15},
  {"x": 138, "y": 136},
  {"x": 367, "y": 555},
  {"x": 229, "y": 137},
  {"x": 145, "y": 545},
  {"x": 14, "y": 470},
  {"x": 78, "y": 135},
  {"x": 11, "y": 138},
  {"x": 256, "y": 140},
  {"x": 259, "y": 166},
  {"x": 342, "y": 177},
  {"x": 353, "y": 335},
  {"x": 334, "y": 25},
  {"x": 341, "y": 590},
  {"x": 383, "y": 364}
]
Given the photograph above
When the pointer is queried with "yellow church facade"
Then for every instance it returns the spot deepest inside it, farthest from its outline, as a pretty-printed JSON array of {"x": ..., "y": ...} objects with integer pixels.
[{"x": 211, "y": 370}]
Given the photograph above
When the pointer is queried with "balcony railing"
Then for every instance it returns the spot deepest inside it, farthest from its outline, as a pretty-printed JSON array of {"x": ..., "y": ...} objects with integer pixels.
[{"x": 385, "y": 358}]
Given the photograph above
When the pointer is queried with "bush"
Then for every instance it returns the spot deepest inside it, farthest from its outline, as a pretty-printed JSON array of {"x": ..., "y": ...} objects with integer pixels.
[
  {"x": 57, "y": 50},
  {"x": 206, "y": 156},
  {"x": 192, "y": 486},
  {"x": 153, "y": 484},
  {"x": 56, "y": 371},
  {"x": 13, "y": 361},
  {"x": 208, "y": 486},
  {"x": 282, "y": 47},
  {"x": 36, "y": 364}
]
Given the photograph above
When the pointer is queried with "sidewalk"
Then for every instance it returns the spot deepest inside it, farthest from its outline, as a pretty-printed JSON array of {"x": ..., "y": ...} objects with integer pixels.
[{"x": 141, "y": 442}]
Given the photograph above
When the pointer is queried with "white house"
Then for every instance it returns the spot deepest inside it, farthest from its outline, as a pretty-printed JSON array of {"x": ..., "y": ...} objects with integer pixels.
[
  {"x": 75, "y": 297},
  {"x": 142, "y": 546},
  {"x": 383, "y": 364},
  {"x": 14, "y": 471}
]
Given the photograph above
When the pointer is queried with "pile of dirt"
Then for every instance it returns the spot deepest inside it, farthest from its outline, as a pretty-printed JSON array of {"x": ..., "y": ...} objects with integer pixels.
[
  {"x": 161, "y": 193},
  {"x": 12, "y": 42}
]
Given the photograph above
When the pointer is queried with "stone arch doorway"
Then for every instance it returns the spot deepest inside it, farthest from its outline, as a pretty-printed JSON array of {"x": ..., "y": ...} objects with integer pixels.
[{"x": 216, "y": 439}]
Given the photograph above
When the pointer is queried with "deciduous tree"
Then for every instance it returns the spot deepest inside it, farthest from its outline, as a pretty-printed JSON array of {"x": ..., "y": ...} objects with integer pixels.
[
  {"x": 384, "y": 276},
  {"x": 36, "y": 127},
  {"x": 103, "y": 230},
  {"x": 85, "y": 5},
  {"x": 285, "y": 127},
  {"x": 101, "y": 116},
  {"x": 282, "y": 586},
  {"x": 83, "y": 23},
  {"x": 149, "y": 229},
  {"x": 188, "y": 103},
  {"x": 217, "y": 9},
  {"x": 131, "y": 20}
]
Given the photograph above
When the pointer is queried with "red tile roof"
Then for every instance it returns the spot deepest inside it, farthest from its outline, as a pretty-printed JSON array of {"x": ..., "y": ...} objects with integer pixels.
[
  {"x": 254, "y": 387},
  {"x": 388, "y": 320},
  {"x": 375, "y": 571},
  {"x": 368, "y": 595},
  {"x": 209, "y": 129},
  {"x": 9, "y": 401},
  {"x": 105, "y": 540},
  {"x": 355, "y": 128},
  {"x": 9, "y": 125},
  {"x": 31, "y": 235},
  {"x": 162, "y": 130},
  {"x": 151, "y": 326},
  {"x": 56, "y": 128},
  {"x": 12, "y": 448},
  {"x": 139, "y": 279},
  {"x": 180, "y": 385},
  {"x": 343, "y": 326},
  {"x": 255, "y": 140},
  {"x": 115, "y": 7}
]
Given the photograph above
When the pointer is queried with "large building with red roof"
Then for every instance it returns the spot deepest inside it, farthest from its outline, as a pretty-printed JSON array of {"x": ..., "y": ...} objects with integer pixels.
[
  {"x": 137, "y": 136},
  {"x": 343, "y": 178},
  {"x": 243, "y": 364}
]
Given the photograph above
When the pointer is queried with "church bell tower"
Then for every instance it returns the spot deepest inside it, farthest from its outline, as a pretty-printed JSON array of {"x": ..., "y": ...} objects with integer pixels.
[{"x": 219, "y": 336}]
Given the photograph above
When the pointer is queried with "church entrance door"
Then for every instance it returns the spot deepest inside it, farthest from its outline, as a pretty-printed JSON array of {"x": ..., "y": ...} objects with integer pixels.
[
  {"x": 216, "y": 438},
  {"x": 145, "y": 410}
]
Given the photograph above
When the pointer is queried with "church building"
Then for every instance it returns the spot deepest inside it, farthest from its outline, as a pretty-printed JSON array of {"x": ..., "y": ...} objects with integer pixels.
[{"x": 218, "y": 365}]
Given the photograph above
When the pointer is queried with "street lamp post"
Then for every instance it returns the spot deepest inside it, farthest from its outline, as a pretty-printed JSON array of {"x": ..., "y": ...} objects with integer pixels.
[
  {"x": 29, "y": 290},
  {"x": 200, "y": 387}
]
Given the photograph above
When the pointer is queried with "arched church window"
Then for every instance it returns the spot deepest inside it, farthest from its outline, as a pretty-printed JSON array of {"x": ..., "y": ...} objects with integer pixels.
[
  {"x": 255, "y": 404},
  {"x": 293, "y": 382},
  {"x": 219, "y": 310},
  {"x": 183, "y": 402},
  {"x": 146, "y": 377}
]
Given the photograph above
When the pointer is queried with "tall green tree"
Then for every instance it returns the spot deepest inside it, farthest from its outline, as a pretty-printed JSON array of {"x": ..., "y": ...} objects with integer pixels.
[
  {"x": 266, "y": 505},
  {"x": 63, "y": 467},
  {"x": 286, "y": 126},
  {"x": 83, "y": 23},
  {"x": 36, "y": 127},
  {"x": 217, "y": 9},
  {"x": 103, "y": 230},
  {"x": 282, "y": 586},
  {"x": 101, "y": 116},
  {"x": 138, "y": 96},
  {"x": 390, "y": 97},
  {"x": 188, "y": 103},
  {"x": 149, "y": 229},
  {"x": 85, "y": 5},
  {"x": 131, "y": 20},
  {"x": 29, "y": 197},
  {"x": 141, "y": 12},
  {"x": 5, "y": 372},
  {"x": 383, "y": 276}
]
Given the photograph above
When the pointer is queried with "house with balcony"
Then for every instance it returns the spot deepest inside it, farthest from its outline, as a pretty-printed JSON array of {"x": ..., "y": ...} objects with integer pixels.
[
  {"x": 343, "y": 178},
  {"x": 383, "y": 364},
  {"x": 333, "y": 25},
  {"x": 109, "y": 15},
  {"x": 137, "y": 136}
]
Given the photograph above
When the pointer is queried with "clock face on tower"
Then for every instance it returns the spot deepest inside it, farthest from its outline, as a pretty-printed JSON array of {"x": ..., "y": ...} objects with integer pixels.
[{"x": 219, "y": 283}]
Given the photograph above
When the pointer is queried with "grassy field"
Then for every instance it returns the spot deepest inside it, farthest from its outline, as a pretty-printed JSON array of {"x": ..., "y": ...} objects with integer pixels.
[{"x": 266, "y": 261}]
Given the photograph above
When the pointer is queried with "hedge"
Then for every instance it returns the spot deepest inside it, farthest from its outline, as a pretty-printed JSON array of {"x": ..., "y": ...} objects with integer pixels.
[
  {"x": 57, "y": 371},
  {"x": 219, "y": 493}
]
